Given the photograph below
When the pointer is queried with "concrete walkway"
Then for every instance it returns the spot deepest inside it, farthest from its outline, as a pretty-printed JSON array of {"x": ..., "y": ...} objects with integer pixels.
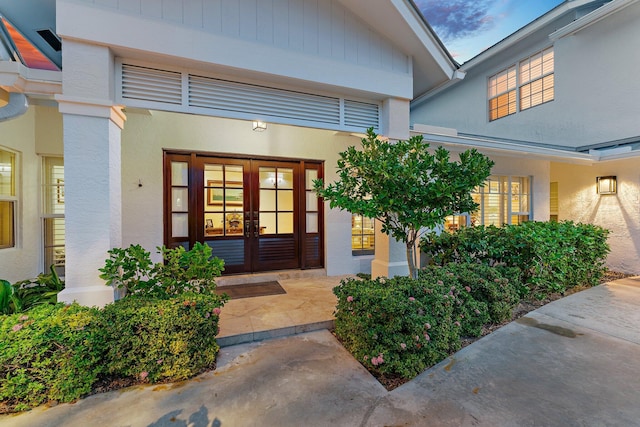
[{"x": 574, "y": 362}]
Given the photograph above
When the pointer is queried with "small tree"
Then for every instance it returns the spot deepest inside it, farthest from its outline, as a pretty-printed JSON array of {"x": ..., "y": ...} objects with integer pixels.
[{"x": 404, "y": 186}]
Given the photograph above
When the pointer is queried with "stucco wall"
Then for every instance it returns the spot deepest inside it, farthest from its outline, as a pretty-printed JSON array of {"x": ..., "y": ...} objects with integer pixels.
[
  {"x": 620, "y": 213},
  {"x": 146, "y": 135},
  {"x": 24, "y": 260},
  {"x": 595, "y": 89}
]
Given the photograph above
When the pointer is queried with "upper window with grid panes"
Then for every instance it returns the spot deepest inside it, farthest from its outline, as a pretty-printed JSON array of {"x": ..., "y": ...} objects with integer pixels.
[{"x": 532, "y": 79}]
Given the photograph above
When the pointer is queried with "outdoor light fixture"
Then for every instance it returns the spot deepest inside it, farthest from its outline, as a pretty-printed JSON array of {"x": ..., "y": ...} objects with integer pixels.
[
  {"x": 259, "y": 126},
  {"x": 606, "y": 185}
]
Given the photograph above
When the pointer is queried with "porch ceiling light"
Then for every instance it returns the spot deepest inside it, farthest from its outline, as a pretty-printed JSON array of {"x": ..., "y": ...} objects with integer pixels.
[
  {"x": 606, "y": 185},
  {"x": 259, "y": 126}
]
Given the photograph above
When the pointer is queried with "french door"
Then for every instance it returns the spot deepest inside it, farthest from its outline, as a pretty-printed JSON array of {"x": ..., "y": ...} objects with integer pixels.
[{"x": 256, "y": 214}]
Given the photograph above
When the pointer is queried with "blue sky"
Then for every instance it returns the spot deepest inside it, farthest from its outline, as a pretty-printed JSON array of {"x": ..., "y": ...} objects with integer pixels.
[{"x": 467, "y": 27}]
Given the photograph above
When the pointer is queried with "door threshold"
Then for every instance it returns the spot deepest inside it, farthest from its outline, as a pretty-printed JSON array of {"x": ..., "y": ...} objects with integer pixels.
[{"x": 269, "y": 276}]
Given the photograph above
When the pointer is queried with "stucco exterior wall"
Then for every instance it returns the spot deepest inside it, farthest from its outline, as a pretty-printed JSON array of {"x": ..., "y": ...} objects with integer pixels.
[
  {"x": 145, "y": 135},
  {"x": 620, "y": 213},
  {"x": 25, "y": 259},
  {"x": 595, "y": 89}
]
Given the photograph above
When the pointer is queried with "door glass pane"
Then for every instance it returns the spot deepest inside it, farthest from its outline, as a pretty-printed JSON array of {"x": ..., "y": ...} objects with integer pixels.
[
  {"x": 214, "y": 199},
  {"x": 312, "y": 222},
  {"x": 233, "y": 223},
  {"x": 310, "y": 176},
  {"x": 233, "y": 199},
  {"x": 233, "y": 176},
  {"x": 285, "y": 222},
  {"x": 213, "y": 224},
  {"x": 179, "y": 173},
  {"x": 285, "y": 200},
  {"x": 213, "y": 175},
  {"x": 267, "y": 223},
  {"x": 285, "y": 178},
  {"x": 267, "y": 177},
  {"x": 267, "y": 200},
  {"x": 179, "y": 199},
  {"x": 179, "y": 224},
  {"x": 312, "y": 201}
]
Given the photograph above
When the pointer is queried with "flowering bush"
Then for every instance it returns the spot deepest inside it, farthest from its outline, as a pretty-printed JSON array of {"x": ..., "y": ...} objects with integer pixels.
[
  {"x": 47, "y": 354},
  {"x": 401, "y": 326}
]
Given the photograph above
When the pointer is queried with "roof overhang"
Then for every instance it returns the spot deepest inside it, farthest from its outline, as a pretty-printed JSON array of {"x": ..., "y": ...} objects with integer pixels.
[
  {"x": 403, "y": 24},
  {"x": 42, "y": 84},
  {"x": 591, "y": 18}
]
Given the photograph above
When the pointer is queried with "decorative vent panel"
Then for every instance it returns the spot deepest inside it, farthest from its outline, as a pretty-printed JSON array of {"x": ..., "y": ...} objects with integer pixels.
[
  {"x": 207, "y": 92},
  {"x": 150, "y": 84},
  {"x": 361, "y": 114}
]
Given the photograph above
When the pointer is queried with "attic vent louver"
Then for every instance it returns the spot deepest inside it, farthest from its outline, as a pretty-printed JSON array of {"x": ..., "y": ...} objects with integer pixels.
[
  {"x": 150, "y": 84},
  {"x": 206, "y": 92},
  {"x": 51, "y": 38},
  {"x": 361, "y": 114}
]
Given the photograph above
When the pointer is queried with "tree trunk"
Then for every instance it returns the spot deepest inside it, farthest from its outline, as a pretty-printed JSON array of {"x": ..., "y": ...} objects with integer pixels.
[{"x": 413, "y": 271}]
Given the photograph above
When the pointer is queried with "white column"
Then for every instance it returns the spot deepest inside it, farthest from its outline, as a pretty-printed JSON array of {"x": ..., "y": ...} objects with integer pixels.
[
  {"x": 391, "y": 255},
  {"x": 92, "y": 156}
]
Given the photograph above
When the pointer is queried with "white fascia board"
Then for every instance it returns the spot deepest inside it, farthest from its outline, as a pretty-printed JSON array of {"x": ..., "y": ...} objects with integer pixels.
[
  {"x": 457, "y": 76},
  {"x": 426, "y": 37},
  {"x": 188, "y": 47},
  {"x": 508, "y": 149},
  {"x": 591, "y": 18},
  {"x": 15, "y": 77}
]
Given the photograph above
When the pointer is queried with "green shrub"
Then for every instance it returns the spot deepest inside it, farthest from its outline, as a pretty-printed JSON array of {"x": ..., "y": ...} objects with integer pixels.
[
  {"x": 132, "y": 270},
  {"x": 496, "y": 287},
  {"x": 157, "y": 339},
  {"x": 28, "y": 293},
  {"x": 395, "y": 326},
  {"x": 47, "y": 354},
  {"x": 552, "y": 256}
]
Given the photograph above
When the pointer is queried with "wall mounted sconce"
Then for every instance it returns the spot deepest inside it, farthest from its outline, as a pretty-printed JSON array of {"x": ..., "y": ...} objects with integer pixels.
[
  {"x": 259, "y": 126},
  {"x": 606, "y": 185}
]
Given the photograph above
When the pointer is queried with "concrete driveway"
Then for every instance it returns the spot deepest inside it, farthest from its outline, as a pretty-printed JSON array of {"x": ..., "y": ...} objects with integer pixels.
[{"x": 574, "y": 362}]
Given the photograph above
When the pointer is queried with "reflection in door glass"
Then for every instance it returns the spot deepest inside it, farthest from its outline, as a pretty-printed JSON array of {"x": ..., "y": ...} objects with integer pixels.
[{"x": 223, "y": 200}]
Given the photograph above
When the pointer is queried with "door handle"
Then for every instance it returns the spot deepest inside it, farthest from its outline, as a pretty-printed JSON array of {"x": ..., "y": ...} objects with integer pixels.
[
  {"x": 247, "y": 228},
  {"x": 256, "y": 227}
]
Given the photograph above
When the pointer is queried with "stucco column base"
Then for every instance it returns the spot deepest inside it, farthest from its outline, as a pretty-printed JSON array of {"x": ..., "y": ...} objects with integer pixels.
[
  {"x": 87, "y": 295},
  {"x": 381, "y": 268}
]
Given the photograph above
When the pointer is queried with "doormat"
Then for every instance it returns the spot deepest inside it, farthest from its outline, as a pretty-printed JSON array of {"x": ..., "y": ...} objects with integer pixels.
[{"x": 250, "y": 290}]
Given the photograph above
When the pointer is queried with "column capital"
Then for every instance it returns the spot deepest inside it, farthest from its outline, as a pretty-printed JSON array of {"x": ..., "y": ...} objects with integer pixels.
[{"x": 92, "y": 108}]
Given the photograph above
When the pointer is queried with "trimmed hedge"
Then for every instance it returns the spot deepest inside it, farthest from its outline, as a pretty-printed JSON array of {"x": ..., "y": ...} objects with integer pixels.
[
  {"x": 552, "y": 256},
  {"x": 57, "y": 352},
  {"x": 401, "y": 326},
  {"x": 160, "y": 340}
]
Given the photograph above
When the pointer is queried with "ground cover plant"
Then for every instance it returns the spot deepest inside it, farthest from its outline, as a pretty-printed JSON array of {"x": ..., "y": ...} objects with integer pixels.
[{"x": 163, "y": 330}]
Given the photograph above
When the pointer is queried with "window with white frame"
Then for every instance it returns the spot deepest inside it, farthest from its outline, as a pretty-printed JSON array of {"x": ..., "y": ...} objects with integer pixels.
[
  {"x": 8, "y": 198},
  {"x": 53, "y": 213},
  {"x": 502, "y": 93},
  {"x": 362, "y": 235},
  {"x": 502, "y": 200},
  {"x": 534, "y": 78}
]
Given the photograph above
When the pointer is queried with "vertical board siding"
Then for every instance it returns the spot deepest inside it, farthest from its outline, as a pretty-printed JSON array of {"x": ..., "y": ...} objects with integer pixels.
[{"x": 315, "y": 27}]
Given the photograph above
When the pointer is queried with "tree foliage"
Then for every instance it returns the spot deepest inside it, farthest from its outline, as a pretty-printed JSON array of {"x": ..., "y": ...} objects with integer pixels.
[{"x": 405, "y": 186}]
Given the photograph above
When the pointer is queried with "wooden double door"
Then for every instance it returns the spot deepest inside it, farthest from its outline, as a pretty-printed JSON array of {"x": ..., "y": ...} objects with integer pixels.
[{"x": 256, "y": 214}]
